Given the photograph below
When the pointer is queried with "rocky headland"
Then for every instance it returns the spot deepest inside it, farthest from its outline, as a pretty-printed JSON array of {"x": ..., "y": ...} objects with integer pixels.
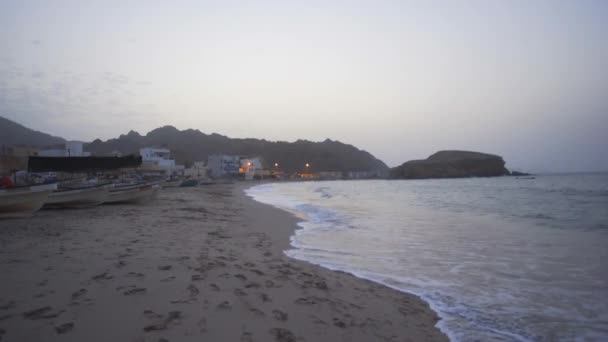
[{"x": 452, "y": 164}]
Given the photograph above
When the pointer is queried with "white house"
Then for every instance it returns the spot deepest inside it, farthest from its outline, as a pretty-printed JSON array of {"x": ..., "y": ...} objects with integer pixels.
[
  {"x": 223, "y": 165},
  {"x": 158, "y": 158},
  {"x": 198, "y": 170},
  {"x": 70, "y": 149},
  {"x": 251, "y": 167}
]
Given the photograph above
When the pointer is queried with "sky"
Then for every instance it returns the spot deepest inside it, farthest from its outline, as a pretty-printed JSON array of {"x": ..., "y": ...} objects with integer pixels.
[{"x": 527, "y": 80}]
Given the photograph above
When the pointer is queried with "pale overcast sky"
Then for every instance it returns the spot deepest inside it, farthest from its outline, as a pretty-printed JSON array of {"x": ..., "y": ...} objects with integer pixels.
[{"x": 401, "y": 79}]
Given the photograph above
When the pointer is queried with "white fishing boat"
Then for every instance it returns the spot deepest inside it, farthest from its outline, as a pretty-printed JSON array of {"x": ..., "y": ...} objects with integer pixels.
[
  {"x": 134, "y": 192},
  {"x": 79, "y": 197},
  {"x": 23, "y": 201}
]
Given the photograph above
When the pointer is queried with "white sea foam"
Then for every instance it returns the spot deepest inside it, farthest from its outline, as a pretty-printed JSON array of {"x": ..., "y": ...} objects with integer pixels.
[{"x": 498, "y": 259}]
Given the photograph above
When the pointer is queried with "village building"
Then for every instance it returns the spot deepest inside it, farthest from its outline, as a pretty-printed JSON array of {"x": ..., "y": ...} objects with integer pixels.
[
  {"x": 156, "y": 158},
  {"x": 69, "y": 149},
  {"x": 198, "y": 170},
  {"x": 223, "y": 165},
  {"x": 252, "y": 168}
]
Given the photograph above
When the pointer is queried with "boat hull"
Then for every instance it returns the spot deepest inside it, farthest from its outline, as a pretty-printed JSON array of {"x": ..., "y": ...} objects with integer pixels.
[
  {"x": 78, "y": 198},
  {"x": 172, "y": 184},
  {"x": 17, "y": 203},
  {"x": 133, "y": 194},
  {"x": 189, "y": 183}
]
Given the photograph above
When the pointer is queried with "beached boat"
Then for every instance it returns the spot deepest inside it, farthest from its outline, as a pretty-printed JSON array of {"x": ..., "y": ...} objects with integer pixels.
[
  {"x": 23, "y": 201},
  {"x": 172, "y": 183},
  {"x": 189, "y": 182},
  {"x": 133, "y": 192},
  {"x": 79, "y": 197}
]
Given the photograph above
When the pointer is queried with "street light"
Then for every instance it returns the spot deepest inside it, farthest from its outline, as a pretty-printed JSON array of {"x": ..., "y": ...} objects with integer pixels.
[
  {"x": 276, "y": 164},
  {"x": 307, "y": 165}
]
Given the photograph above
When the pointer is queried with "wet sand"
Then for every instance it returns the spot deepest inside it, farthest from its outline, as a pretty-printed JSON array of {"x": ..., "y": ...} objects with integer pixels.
[{"x": 196, "y": 264}]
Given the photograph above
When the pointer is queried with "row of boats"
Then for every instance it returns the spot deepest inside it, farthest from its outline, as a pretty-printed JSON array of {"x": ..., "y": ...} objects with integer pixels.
[{"x": 23, "y": 201}]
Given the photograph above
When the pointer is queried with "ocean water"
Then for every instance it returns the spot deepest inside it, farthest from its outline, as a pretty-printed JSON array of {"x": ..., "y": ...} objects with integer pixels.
[{"x": 500, "y": 259}]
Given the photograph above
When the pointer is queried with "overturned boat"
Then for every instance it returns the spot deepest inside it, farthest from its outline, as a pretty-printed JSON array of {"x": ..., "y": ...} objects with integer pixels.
[
  {"x": 23, "y": 201},
  {"x": 79, "y": 197},
  {"x": 133, "y": 192}
]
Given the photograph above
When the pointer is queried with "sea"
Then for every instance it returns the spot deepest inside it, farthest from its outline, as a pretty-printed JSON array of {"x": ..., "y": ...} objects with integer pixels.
[{"x": 499, "y": 259}]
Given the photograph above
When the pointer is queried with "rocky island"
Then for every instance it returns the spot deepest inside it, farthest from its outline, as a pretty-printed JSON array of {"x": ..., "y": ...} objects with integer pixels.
[{"x": 452, "y": 164}]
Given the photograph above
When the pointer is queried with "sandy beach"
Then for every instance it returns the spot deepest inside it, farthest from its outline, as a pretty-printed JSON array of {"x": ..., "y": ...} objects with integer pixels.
[{"x": 196, "y": 264}]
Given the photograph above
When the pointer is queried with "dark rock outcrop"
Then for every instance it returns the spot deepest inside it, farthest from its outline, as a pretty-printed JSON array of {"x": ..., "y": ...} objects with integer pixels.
[
  {"x": 519, "y": 173},
  {"x": 452, "y": 164}
]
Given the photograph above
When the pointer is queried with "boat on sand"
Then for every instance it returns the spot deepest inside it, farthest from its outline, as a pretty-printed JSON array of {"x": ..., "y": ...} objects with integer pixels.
[
  {"x": 23, "y": 201},
  {"x": 189, "y": 183},
  {"x": 79, "y": 196},
  {"x": 134, "y": 192}
]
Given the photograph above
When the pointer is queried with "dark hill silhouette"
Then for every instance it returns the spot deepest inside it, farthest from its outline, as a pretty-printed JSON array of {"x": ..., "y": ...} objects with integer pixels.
[
  {"x": 12, "y": 133},
  {"x": 192, "y": 145},
  {"x": 452, "y": 164}
]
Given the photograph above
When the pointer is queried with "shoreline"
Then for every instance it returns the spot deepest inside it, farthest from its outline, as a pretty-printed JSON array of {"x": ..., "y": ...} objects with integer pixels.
[
  {"x": 295, "y": 226},
  {"x": 205, "y": 262}
]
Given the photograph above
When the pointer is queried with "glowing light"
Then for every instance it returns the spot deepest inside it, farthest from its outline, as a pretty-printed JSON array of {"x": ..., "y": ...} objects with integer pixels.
[
  {"x": 307, "y": 165},
  {"x": 276, "y": 164}
]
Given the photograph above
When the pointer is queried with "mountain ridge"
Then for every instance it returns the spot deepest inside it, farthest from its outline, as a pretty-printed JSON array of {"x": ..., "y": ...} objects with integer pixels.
[
  {"x": 192, "y": 145},
  {"x": 13, "y": 133}
]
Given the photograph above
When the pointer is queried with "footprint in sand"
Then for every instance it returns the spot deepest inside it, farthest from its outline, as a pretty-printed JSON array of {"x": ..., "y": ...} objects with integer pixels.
[
  {"x": 339, "y": 323},
  {"x": 225, "y": 305},
  {"x": 102, "y": 276},
  {"x": 162, "y": 325},
  {"x": 165, "y": 267},
  {"x": 194, "y": 291},
  {"x": 257, "y": 312},
  {"x": 246, "y": 337},
  {"x": 64, "y": 328},
  {"x": 152, "y": 314},
  {"x": 214, "y": 287},
  {"x": 120, "y": 264},
  {"x": 279, "y": 315},
  {"x": 264, "y": 297},
  {"x": 282, "y": 335},
  {"x": 8, "y": 305},
  {"x": 137, "y": 290},
  {"x": 239, "y": 292},
  {"x": 135, "y": 274},
  {"x": 42, "y": 313}
]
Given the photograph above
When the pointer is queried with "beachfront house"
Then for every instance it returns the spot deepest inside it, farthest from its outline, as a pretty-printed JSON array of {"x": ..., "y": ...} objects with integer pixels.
[
  {"x": 251, "y": 167},
  {"x": 197, "y": 171},
  {"x": 157, "y": 158},
  {"x": 69, "y": 149},
  {"x": 223, "y": 165}
]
